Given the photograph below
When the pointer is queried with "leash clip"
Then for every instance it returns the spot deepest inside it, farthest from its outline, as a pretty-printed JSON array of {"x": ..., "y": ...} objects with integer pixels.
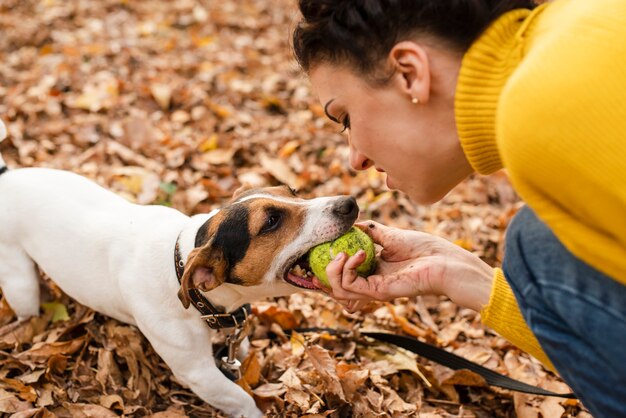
[{"x": 233, "y": 341}]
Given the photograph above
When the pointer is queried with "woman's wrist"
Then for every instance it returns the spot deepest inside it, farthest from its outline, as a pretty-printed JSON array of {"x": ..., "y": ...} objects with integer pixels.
[{"x": 469, "y": 281}]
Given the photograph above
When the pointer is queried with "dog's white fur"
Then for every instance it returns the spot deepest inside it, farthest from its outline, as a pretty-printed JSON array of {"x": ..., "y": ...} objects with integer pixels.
[{"x": 117, "y": 258}]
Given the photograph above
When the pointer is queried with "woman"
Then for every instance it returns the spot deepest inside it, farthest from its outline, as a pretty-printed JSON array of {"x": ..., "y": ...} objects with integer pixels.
[{"x": 431, "y": 91}]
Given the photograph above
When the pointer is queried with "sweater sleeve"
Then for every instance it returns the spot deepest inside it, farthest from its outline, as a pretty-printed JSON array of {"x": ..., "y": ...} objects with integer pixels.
[{"x": 503, "y": 315}]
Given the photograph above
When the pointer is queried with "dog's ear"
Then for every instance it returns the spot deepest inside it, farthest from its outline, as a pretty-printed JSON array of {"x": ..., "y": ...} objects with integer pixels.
[
  {"x": 205, "y": 270},
  {"x": 241, "y": 190}
]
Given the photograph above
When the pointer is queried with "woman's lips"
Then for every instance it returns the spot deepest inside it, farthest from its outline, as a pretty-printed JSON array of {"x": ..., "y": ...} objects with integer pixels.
[{"x": 389, "y": 182}]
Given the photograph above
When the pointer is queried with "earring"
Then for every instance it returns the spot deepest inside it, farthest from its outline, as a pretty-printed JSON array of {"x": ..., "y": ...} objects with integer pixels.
[{"x": 415, "y": 100}]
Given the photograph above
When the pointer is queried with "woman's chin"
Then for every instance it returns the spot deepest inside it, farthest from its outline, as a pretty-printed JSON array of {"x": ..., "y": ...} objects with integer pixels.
[
  {"x": 424, "y": 197},
  {"x": 419, "y": 196}
]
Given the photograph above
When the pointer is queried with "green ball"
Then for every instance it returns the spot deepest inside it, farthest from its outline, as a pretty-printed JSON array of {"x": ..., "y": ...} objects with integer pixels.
[{"x": 349, "y": 243}]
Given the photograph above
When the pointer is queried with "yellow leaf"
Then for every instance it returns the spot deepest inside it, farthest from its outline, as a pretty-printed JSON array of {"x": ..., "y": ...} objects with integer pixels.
[
  {"x": 465, "y": 244},
  {"x": 46, "y": 49},
  {"x": 133, "y": 183},
  {"x": 297, "y": 344},
  {"x": 220, "y": 111},
  {"x": 288, "y": 148},
  {"x": 209, "y": 144},
  {"x": 203, "y": 41},
  {"x": 57, "y": 309}
]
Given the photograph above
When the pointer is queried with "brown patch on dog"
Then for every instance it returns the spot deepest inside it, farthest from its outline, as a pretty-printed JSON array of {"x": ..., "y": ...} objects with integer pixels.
[
  {"x": 266, "y": 246},
  {"x": 205, "y": 270},
  {"x": 208, "y": 266}
]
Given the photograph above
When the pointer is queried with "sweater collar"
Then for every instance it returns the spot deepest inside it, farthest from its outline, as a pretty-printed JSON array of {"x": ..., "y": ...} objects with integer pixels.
[{"x": 485, "y": 69}]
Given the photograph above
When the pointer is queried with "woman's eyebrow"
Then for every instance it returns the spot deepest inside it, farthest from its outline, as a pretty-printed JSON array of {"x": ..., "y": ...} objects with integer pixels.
[{"x": 334, "y": 119}]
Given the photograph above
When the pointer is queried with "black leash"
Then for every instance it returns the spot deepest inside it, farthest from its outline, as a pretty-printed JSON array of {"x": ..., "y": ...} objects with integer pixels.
[{"x": 450, "y": 360}]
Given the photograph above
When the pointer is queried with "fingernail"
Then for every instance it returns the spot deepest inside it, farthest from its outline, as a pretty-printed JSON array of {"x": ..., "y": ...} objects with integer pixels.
[{"x": 340, "y": 256}]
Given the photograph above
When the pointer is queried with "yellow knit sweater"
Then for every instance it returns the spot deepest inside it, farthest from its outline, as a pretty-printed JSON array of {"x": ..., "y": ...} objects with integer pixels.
[{"x": 543, "y": 94}]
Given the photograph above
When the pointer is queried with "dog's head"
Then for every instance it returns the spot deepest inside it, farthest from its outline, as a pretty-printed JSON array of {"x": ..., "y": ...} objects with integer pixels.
[{"x": 256, "y": 241}]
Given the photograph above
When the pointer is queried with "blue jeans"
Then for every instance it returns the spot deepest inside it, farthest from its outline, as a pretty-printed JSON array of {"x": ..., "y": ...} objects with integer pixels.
[{"x": 577, "y": 313}]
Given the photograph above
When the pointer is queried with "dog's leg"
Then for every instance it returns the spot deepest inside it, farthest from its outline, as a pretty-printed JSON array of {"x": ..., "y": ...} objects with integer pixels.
[
  {"x": 185, "y": 345},
  {"x": 244, "y": 349},
  {"x": 19, "y": 281}
]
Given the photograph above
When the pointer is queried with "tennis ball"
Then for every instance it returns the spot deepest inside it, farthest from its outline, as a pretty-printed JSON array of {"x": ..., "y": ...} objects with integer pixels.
[{"x": 349, "y": 243}]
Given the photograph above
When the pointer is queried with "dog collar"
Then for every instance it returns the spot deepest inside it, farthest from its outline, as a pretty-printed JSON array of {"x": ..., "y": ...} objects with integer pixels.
[{"x": 214, "y": 317}]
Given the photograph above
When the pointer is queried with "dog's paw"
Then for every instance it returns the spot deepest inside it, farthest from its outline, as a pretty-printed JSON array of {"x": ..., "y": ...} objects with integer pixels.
[{"x": 251, "y": 413}]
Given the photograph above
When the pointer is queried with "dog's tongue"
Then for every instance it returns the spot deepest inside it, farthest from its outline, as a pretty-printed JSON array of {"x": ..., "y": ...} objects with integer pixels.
[{"x": 302, "y": 281}]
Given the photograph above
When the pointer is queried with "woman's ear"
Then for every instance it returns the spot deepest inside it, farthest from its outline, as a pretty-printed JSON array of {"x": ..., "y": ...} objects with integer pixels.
[{"x": 412, "y": 70}]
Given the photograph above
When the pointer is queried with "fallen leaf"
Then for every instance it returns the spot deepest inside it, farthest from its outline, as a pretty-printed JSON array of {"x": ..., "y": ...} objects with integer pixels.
[
  {"x": 162, "y": 94},
  {"x": 34, "y": 413},
  {"x": 10, "y": 403},
  {"x": 326, "y": 367},
  {"x": 280, "y": 170},
  {"x": 43, "y": 351},
  {"x": 82, "y": 410},
  {"x": 251, "y": 369},
  {"x": 466, "y": 378},
  {"x": 270, "y": 390},
  {"x": 57, "y": 310}
]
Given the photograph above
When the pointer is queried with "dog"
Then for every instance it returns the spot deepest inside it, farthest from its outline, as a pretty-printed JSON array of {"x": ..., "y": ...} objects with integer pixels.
[{"x": 117, "y": 258}]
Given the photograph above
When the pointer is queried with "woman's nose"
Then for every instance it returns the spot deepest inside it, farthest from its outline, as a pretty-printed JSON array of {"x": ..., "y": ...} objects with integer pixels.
[{"x": 359, "y": 161}]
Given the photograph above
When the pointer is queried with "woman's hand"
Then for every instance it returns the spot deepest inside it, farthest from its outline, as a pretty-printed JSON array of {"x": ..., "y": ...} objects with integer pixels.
[{"x": 411, "y": 263}]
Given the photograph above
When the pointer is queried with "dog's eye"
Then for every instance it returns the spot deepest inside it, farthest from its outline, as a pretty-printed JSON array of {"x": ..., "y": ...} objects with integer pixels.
[{"x": 271, "y": 222}]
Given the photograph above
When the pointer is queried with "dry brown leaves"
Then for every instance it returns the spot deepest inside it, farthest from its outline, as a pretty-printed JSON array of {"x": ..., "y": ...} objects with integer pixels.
[{"x": 178, "y": 103}]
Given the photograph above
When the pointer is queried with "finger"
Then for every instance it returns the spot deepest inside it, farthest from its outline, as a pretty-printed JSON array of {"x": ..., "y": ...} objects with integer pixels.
[
  {"x": 341, "y": 269},
  {"x": 374, "y": 287},
  {"x": 349, "y": 273},
  {"x": 387, "y": 237},
  {"x": 356, "y": 260},
  {"x": 334, "y": 271},
  {"x": 374, "y": 229}
]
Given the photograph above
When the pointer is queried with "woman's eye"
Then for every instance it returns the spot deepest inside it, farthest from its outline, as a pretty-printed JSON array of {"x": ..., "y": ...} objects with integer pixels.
[{"x": 346, "y": 123}]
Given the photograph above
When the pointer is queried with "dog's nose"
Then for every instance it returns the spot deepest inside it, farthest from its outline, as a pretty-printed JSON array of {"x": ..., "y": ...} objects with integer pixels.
[{"x": 346, "y": 208}]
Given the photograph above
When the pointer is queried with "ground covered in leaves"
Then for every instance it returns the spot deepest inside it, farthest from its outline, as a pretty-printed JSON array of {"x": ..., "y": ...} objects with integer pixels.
[{"x": 178, "y": 103}]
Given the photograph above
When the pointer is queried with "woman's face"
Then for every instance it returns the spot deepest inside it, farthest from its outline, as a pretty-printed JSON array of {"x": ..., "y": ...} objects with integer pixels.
[{"x": 415, "y": 144}]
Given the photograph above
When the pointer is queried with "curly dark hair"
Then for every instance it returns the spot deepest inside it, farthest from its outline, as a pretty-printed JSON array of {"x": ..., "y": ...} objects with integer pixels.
[{"x": 361, "y": 33}]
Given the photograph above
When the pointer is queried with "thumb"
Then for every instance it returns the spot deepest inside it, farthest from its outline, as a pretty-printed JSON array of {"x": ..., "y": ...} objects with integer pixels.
[
  {"x": 390, "y": 238},
  {"x": 375, "y": 230}
]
